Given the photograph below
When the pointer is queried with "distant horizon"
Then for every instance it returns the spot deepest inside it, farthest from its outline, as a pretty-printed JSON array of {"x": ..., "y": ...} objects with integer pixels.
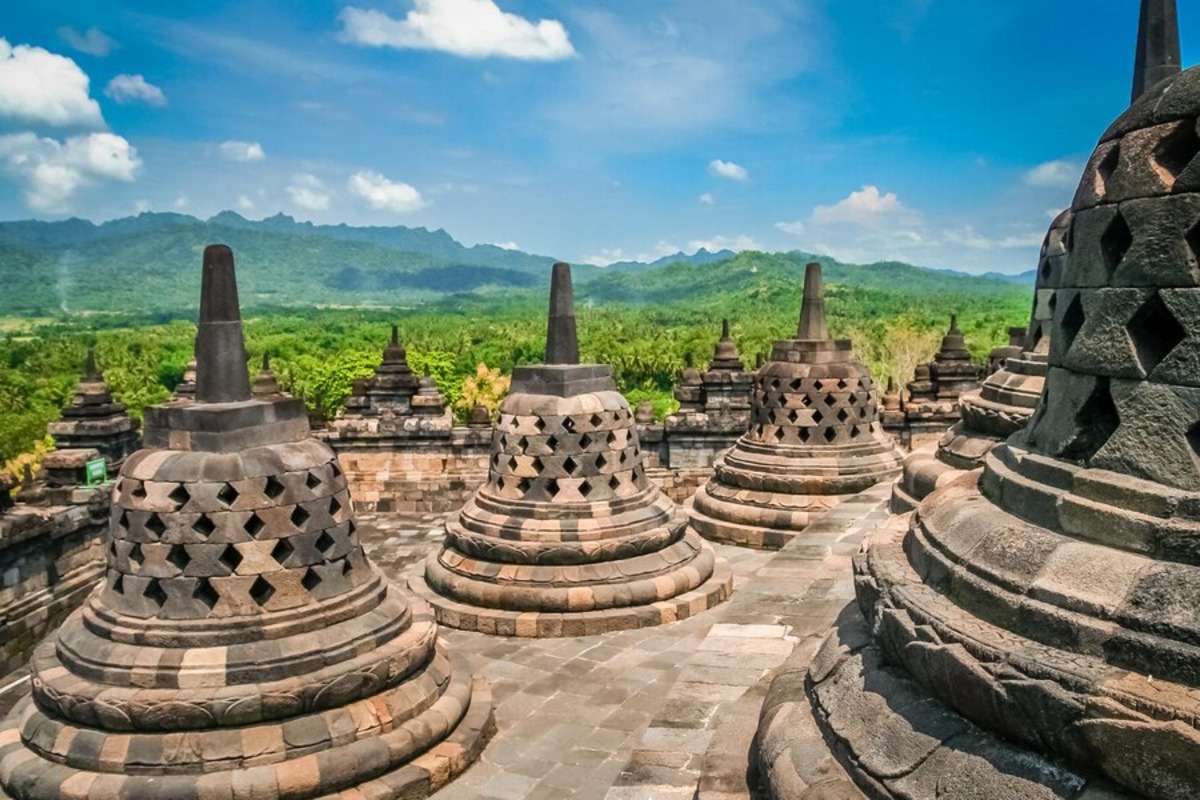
[
  {"x": 919, "y": 131},
  {"x": 680, "y": 253}
]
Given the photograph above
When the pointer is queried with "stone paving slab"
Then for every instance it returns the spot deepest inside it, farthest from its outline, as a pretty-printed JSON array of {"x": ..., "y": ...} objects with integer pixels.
[{"x": 649, "y": 714}]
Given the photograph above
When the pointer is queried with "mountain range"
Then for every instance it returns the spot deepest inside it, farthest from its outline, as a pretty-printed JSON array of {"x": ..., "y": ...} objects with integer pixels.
[{"x": 148, "y": 264}]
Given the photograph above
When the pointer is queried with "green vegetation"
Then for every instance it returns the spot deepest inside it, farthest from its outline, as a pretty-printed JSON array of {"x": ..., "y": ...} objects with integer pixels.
[{"x": 645, "y": 323}]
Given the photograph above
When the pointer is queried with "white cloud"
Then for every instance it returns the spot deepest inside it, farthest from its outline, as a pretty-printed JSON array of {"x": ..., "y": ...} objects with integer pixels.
[
  {"x": 308, "y": 192},
  {"x": 38, "y": 86},
  {"x": 94, "y": 42},
  {"x": 506, "y": 245},
  {"x": 606, "y": 256},
  {"x": 469, "y": 28},
  {"x": 244, "y": 203},
  {"x": 241, "y": 151},
  {"x": 728, "y": 169},
  {"x": 867, "y": 207},
  {"x": 52, "y": 170},
  {"x": 383, "y": 194},
  {"x": 735, "y": 243},
  {"x": 708, "y": 199},
  {"x": 968, "y": 237},
  {"x": 141, "y": 206},
  {"x": 182, "y": 202},
  {"x": 128, "y": 88},
  {"x": 1057, "y": 174}
]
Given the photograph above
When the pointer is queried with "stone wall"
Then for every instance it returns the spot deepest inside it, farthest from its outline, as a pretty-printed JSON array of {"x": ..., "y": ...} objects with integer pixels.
[
  {"x": 415, "y": 475},
  {"x": 51, "y": 557}
]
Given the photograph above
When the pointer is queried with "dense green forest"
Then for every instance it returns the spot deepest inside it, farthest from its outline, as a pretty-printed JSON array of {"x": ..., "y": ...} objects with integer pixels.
[{"x": 646, "y": 323}]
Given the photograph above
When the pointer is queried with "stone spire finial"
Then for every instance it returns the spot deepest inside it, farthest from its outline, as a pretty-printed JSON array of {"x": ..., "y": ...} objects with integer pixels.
[
  {"x": 812, "y": 309},
  {"x": 1158, "y": 54},
  {"x": 562, "y": 343},
  {"x": 725, "y": 329},
  {"x": 954, "y": 324},
  {"x": 91, "y": 372},
  {"x": 395, "y": 353},
  {"x": 221, "y": 375}
]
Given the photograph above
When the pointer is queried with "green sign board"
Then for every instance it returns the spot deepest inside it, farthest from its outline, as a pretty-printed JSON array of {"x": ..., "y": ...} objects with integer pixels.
[{"x": 97, "y": 471}]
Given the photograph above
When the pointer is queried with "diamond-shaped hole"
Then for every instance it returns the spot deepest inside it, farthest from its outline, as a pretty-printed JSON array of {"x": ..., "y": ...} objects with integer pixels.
[
  {"x": 334, "y": 506},
  {"x": 155, "y": 525},
  {"x": 180, "y": 496},
  {"x": 311, "y": 579},
  {"x": 299, "y": 516},
  {"x": 778, "y": 434},
  {"x": 552, "y": 443},
  {"x": 805, "y": 434},
  {"x": 261, "y": 591},
  {"x": 539, "y": 423},
  {"x": 614, "y": 483},
  {"x": 178, "y": 556},
  {"x": 155, "y": 594},
  {"x": 119, "y": 584},
  {"x": 830, "y": 400},
  {"x": 1154, "y": 332},
  {"x": 325, "y": 543},
  {"x": 817, "y": 417},
  {"x": 1072, "y": 322},
  {"x": 1193, "y": 438},
  {"x": 139, "y": 491},
  {"x": 585, "y": 442},
  {"x": 596, "y": 420},
  {"x": 273, "y": 488},
  {"x": 585, "y": 488},
  {"x": 312, "y": 481},
  {"x": 1104, "y": 173},
  {"x": 231, "y": 558},
  {"x": 1176, "y": 150},
  {"x": 601, "y": 461},
  {"x": 842, "y": 415},
  {"x": 1115, "y": 243},
  {"x": 205, "y": 593},
  {"x": 123, "y": 522},
  {"x": 830, "y": 435},
  {"x": 611, "y": 439},
  {"x": 204, "y": 526},
  {"x": 855, "y": 432},
  {"x": 136, "y": 556},
  {"x": 570, "y": 465},
  {"x": 1095, "y": 422},
  {"x": 254, "y": 525},
  {"x": 282, "y": 552},
  {"x": 552, "y": 487},
  {"x": 227, "y": 495},
  {"x": 523, "y": 485},
  {"x": 568, "y": 424}
]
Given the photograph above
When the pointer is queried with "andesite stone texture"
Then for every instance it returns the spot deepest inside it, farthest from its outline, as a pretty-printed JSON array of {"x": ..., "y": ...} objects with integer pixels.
[
  {"x": 1158, "y": 50},
  {"x": 241, "y": 644},
  {"x": 1007, "y": 398},
  {"x": 933, "y": 394},
  {"x": 813, "y": 439},
  {"x": 95, "y": 421},
  {"x": 1051, "y": 599},
  {"x": 568, "y": 536}
]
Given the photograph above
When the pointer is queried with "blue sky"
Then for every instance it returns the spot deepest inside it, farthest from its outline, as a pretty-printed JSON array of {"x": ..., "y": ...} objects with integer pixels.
[{"x": 940, "y": 132}]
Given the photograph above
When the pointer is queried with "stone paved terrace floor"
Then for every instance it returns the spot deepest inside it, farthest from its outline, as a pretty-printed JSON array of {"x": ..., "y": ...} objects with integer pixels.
[
  {"x": 653, "y": 714},
  {"x": 661, "y": 713}
]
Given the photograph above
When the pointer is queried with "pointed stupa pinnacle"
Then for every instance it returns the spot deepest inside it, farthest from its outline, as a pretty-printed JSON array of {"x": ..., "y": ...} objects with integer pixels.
[
  {"x": 725, "y": 328},
  {"x": 954, "y": 325},
  {"x": 91, "y": 372},
  {"x": 221, "y": 375},
  {"x": 395, "y": 334},
  {"x": 812, "y": 309},
  {"x": 1158, "y": 54},
  {"x": 562, "y": 342}
]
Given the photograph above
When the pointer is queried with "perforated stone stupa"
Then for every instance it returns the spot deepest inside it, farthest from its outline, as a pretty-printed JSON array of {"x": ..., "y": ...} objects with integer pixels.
[
  {"x": 241, "y": 644},
  {"x": 1053, "y": 602},
  {"x": 568, "y": 536},
  {"x": 1007, "y": 398},
  {"x": 814, "y": 438}
]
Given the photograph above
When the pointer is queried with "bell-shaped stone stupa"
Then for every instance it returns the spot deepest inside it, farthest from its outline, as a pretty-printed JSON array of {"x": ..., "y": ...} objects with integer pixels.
[
  {"x": 1007, "y": 398},
  {"x": 568, "y": 536},
  {"x": 1050, "y": 604},
  {"x": 814, "y": 439},
  {"x": 241, "y": 644}
]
